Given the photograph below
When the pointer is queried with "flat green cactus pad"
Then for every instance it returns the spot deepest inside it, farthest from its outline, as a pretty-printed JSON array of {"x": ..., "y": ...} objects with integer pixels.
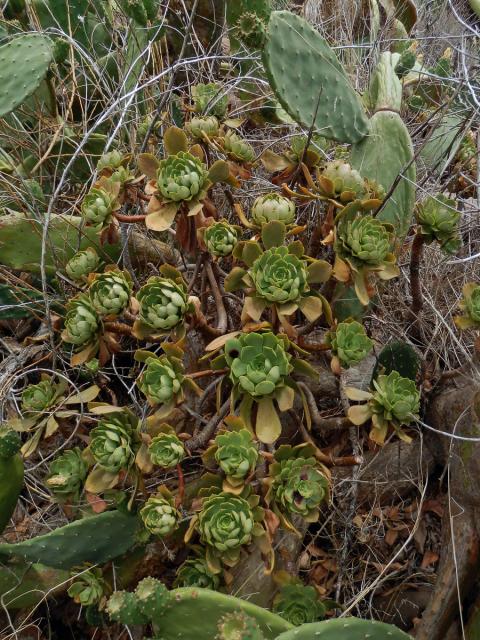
[
  {"x": 24, "y": 63},
  {"x": 24, "y": 585},
  {"x": 345, "y": 629},
  {"x": 383, "y": 156},
  {"x": 95, "y": 539},
  {"x": 194, "y": 614},
  {"x": 309, "y": 81},
  {"x": 21, "y": 242}
]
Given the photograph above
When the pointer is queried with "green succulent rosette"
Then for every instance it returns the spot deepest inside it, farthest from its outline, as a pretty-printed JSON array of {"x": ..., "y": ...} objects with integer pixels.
[
  {"x": 110, "y": 292},
  {"x": 162, "y": 380},
  {"x": 297, "y": 484},
  {"x": 194, "y": 572},
  {"x": 121, "y": 176},
  {"x": 201, "y": 128},
  {"x": 299, "y": 604},
  {"x": 159, "y": 514},
  {"x": 182, "y": 177},
  {"x": 166, "y": 450},
  {"x": 210, "y": 99},
  {"x": 39, "y": 397},
  {"x": 88, "y": 588},
  {"x": 363, "y": 245},
  {"x": 112, "y": 443},
  {"x": 110, "y": 160},
  {"x": 272, "y": 207},
  {"x": 98, "y": 206},
  {"x": 67, "y": 474},
  {"x": 163, "y": 305},
  {"x": 349, "y": 344},
  {"x": 226, "y": 523},
  {"x": 470, "y": 305},
  {"x": 258, "y": 363},
  {"x": 220, "y": 238},
  {"x": 339, "y": 180},
  {"x": 237, "y": 148},
  {"x": 394, "y": 402},
  {"x": 236, "y": 453},
  {"x": 288, "y": 161},
  {"x": 438, "y": 221},
  {"x": 82, "y": 264},
  {"x": 82, "y": 322},
  {"x": 279, "y": 276},
  {"x": 312, "y": 155}
]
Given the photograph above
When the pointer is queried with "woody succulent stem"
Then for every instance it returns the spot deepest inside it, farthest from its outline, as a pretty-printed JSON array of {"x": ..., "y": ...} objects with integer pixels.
[
  {"x": 222, "y": 320},
  {"x": 415, "y": 263}
]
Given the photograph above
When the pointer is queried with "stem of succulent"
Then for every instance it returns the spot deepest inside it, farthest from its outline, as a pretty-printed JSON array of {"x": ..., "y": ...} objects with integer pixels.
[
  {"x": 207, "y": 372},
  {"x": 200, "y": 440},
  {"x": 222, "y": 319},
  {"x": 311, "y": 346},
  {"x": 415, "y": 286},
  {"x": 198, "y": 266},
  {"x": 203, "y": 325},
  {"x": 328, "y": 424},
  {"x": 118, "y": 327},
  {"x": 327, "y": 458},
  {"x": 124, "y": 218}
]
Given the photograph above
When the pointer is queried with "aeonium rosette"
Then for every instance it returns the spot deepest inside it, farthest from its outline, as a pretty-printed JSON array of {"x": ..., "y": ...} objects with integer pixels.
[
  {"x": 393, "y": 402},
  {"x": 163, "y": 304},
  {"x": 235, "y": 452},
  {"x": 163, "y": 380},
  {"x": 260, "y": 366},
  {"x": 179, "y": 182},
  {"x": 363, "y": 245},
  {"x": 226, "y": 523},
  {"x": 297, "y": 484},
  {"x": 280, "y": 277}
]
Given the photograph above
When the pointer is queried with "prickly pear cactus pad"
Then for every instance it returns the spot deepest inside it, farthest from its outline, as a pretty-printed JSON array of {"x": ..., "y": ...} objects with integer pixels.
[
  {"x": 24, "y": 62},
  {"x": 384, "y": 155},
  {"x": 345, "y": 629},
  {"x": 309, "y": 80},
  {"x": 190, "y": 605},
  {"x": 95, "y": 539}
]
